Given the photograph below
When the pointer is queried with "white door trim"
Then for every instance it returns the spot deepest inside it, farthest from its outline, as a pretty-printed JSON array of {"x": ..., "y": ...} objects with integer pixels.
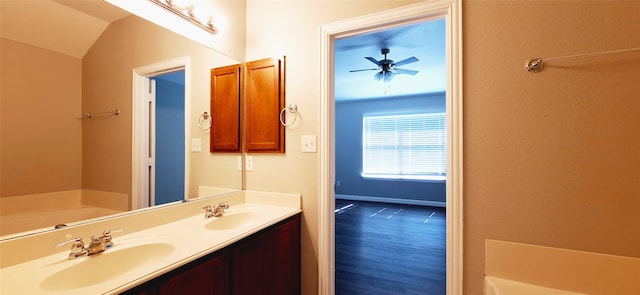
[
  {"x": 151, "y": 140},
  {"x": 140, "y": 121},
  {"x": 451, "y": 10}
]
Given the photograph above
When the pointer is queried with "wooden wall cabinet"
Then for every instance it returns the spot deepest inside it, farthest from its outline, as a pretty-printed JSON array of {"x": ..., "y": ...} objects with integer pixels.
[
  {"x": 267, "y": 262},
  {"x": 226, "y": 85},
  {"x": 264, "y": 99},
  {"x": 263, "y": 85}
]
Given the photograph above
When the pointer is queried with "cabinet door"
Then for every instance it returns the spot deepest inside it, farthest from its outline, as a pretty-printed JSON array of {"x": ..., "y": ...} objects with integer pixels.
[
  {"x": 269, "y": 263},
  {"x": 209, "y": 277},
  {"x": 264, "y": 81},
  {"x": 225, "y": 109},
  {"x": 250, "y": 259},
  {"x": 286, "y": 264}
]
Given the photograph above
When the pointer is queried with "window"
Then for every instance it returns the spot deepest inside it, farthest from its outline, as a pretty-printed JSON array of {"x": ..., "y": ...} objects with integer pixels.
[{"x": 404, "y": 146}]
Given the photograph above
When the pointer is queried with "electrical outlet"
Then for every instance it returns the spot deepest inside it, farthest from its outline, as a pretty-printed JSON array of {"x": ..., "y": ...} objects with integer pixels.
[
  {"x": 308, "y": 143},
  {"x": 196, "y": 145},
  {"x": 249, "y": 163}
]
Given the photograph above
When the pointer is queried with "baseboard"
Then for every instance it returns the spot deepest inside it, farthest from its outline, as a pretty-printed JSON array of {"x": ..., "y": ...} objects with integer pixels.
[{"x": 392, "y": 200}]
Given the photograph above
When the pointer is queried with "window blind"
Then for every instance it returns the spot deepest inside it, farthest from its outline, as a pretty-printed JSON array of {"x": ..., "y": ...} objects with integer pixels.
[{"x": 404, "y": 146}]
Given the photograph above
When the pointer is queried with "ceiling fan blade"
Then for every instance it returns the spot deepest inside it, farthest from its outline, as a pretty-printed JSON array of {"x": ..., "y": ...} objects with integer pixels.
[
  {"x": 364, "y": 70},
  {"x": 406, "y": 61},
  {"x": 403, "y": 71},
  {"x": 373, "y": 60}
]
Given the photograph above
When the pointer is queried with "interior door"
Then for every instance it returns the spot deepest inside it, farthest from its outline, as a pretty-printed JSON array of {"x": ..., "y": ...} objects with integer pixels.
[{"x": 167, "y": 125}]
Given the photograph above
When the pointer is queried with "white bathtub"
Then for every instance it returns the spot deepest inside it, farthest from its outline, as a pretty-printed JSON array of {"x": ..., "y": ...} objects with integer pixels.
[
  {"x": 498, "y": 286},
  {"x": 45, "y": 210},
  {"x": 39, "y": 219},
  {"x": 517, "y": 268}
]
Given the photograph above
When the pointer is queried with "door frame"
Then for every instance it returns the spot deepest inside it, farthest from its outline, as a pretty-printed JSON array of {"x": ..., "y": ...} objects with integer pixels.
[
  {"x": 141, "y": 80},
  {"x": 451, "y": 10}
]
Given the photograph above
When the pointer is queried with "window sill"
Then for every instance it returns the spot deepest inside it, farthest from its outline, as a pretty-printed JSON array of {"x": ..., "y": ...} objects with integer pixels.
[{"x": 441, "y": 179}]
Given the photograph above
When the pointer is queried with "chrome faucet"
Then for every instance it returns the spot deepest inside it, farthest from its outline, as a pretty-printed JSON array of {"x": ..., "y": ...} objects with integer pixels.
[
  {"x": 97, "y": 245},
  {"x": 216, "y": 211}
]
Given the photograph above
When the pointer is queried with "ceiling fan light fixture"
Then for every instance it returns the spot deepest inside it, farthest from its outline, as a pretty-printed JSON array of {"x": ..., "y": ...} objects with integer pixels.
[
  {"x": 387, "y": 67},
  {"x": 388, "y": 76},
  {"x": 378, "y": 76}
]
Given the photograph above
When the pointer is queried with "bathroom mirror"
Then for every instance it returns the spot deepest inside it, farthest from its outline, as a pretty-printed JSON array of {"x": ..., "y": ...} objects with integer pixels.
[{"x": 67, "y": 112}]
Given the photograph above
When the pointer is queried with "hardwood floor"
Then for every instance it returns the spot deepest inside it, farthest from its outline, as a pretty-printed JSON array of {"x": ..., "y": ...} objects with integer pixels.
[{"x": 389, "y": 249}]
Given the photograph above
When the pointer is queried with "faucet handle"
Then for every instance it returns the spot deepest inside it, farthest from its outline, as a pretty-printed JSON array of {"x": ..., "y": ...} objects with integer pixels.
[
  {"x": 77, "y": 242},
  {"x": 106, "y": 235},
  {"x": 77, "y": 247},
  {"x": 208, "y": 211},
  {"x": 109, "y": 231},
  {"x": 223, "y": 205}
]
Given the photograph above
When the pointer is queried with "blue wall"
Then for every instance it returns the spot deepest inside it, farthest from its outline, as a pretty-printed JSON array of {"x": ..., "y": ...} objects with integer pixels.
[
  {"x": 169, "y": 186},
  {"x": 349, "y": 148}
]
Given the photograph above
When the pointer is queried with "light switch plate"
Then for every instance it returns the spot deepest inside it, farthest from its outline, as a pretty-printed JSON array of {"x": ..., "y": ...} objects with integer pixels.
[
  {"x": 308, "y": 143},
  {"x": 196, "y": 145}
]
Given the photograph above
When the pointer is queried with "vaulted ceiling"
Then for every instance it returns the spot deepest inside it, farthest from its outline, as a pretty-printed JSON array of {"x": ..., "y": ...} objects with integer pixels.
[
  {"x": 41, "y": 23},
  {"x": 425, "y": 41}
]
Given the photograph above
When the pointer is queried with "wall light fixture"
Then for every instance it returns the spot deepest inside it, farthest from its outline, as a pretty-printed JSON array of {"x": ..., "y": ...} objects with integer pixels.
[{"x": 185, "y": 10}]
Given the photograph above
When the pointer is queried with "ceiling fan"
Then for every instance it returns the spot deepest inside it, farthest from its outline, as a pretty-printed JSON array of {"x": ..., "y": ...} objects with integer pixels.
[{"x": 388, "y": 68}]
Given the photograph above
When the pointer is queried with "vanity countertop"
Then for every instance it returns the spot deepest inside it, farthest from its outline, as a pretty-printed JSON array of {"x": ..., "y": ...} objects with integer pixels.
[{"x": 142, "y": 255}]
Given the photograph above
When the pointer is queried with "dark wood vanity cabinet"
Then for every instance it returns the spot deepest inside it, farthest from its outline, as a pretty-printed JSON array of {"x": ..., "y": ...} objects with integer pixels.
[
  {"x": 208, "y": 275},
  {"x": 225, "y": 109},
  {"x": 267, "y": 262},
  {"x": 264, "y": 99}
]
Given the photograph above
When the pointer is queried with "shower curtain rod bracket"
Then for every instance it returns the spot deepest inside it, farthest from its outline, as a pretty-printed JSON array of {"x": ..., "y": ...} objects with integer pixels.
[{"x": 534, "y": 65}]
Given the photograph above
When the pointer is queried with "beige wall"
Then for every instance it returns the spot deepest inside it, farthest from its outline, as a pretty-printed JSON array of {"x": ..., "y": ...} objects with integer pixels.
[
  {"x": 107, "y": 84},
  {"x": 292, "y": 28},
  {"x": 40, "y": 120},
  {"x": 550, "y": 158}
]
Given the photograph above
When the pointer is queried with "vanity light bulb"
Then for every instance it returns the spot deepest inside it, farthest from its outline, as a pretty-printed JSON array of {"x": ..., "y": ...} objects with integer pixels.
[
  {"x": 182, "y": 5},
  {"x": 201, "y": 17}
]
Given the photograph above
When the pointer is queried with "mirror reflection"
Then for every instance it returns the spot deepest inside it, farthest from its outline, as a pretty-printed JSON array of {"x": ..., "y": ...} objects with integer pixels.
[{"x": 60, "y": 165}]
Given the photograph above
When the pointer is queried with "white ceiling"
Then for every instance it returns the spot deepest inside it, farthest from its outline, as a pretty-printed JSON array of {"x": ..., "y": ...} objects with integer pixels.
[
  {"x": 425, "y": 41},
  {"x": 40, "y": 23}
]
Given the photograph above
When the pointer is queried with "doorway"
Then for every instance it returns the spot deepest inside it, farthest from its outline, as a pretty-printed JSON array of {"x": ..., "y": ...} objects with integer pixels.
[
  {"x": 390, "y": 165},
  {"x": 166, "y": 125},
  {"x": 451, "y": 12},
  {"x": 160, "y": 132}
]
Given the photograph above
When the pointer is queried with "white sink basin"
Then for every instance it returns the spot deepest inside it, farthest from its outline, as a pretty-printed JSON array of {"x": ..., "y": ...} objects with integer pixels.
[
  {"x": 235, "y": 220},
  {"x": 124, "y": 257}
]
